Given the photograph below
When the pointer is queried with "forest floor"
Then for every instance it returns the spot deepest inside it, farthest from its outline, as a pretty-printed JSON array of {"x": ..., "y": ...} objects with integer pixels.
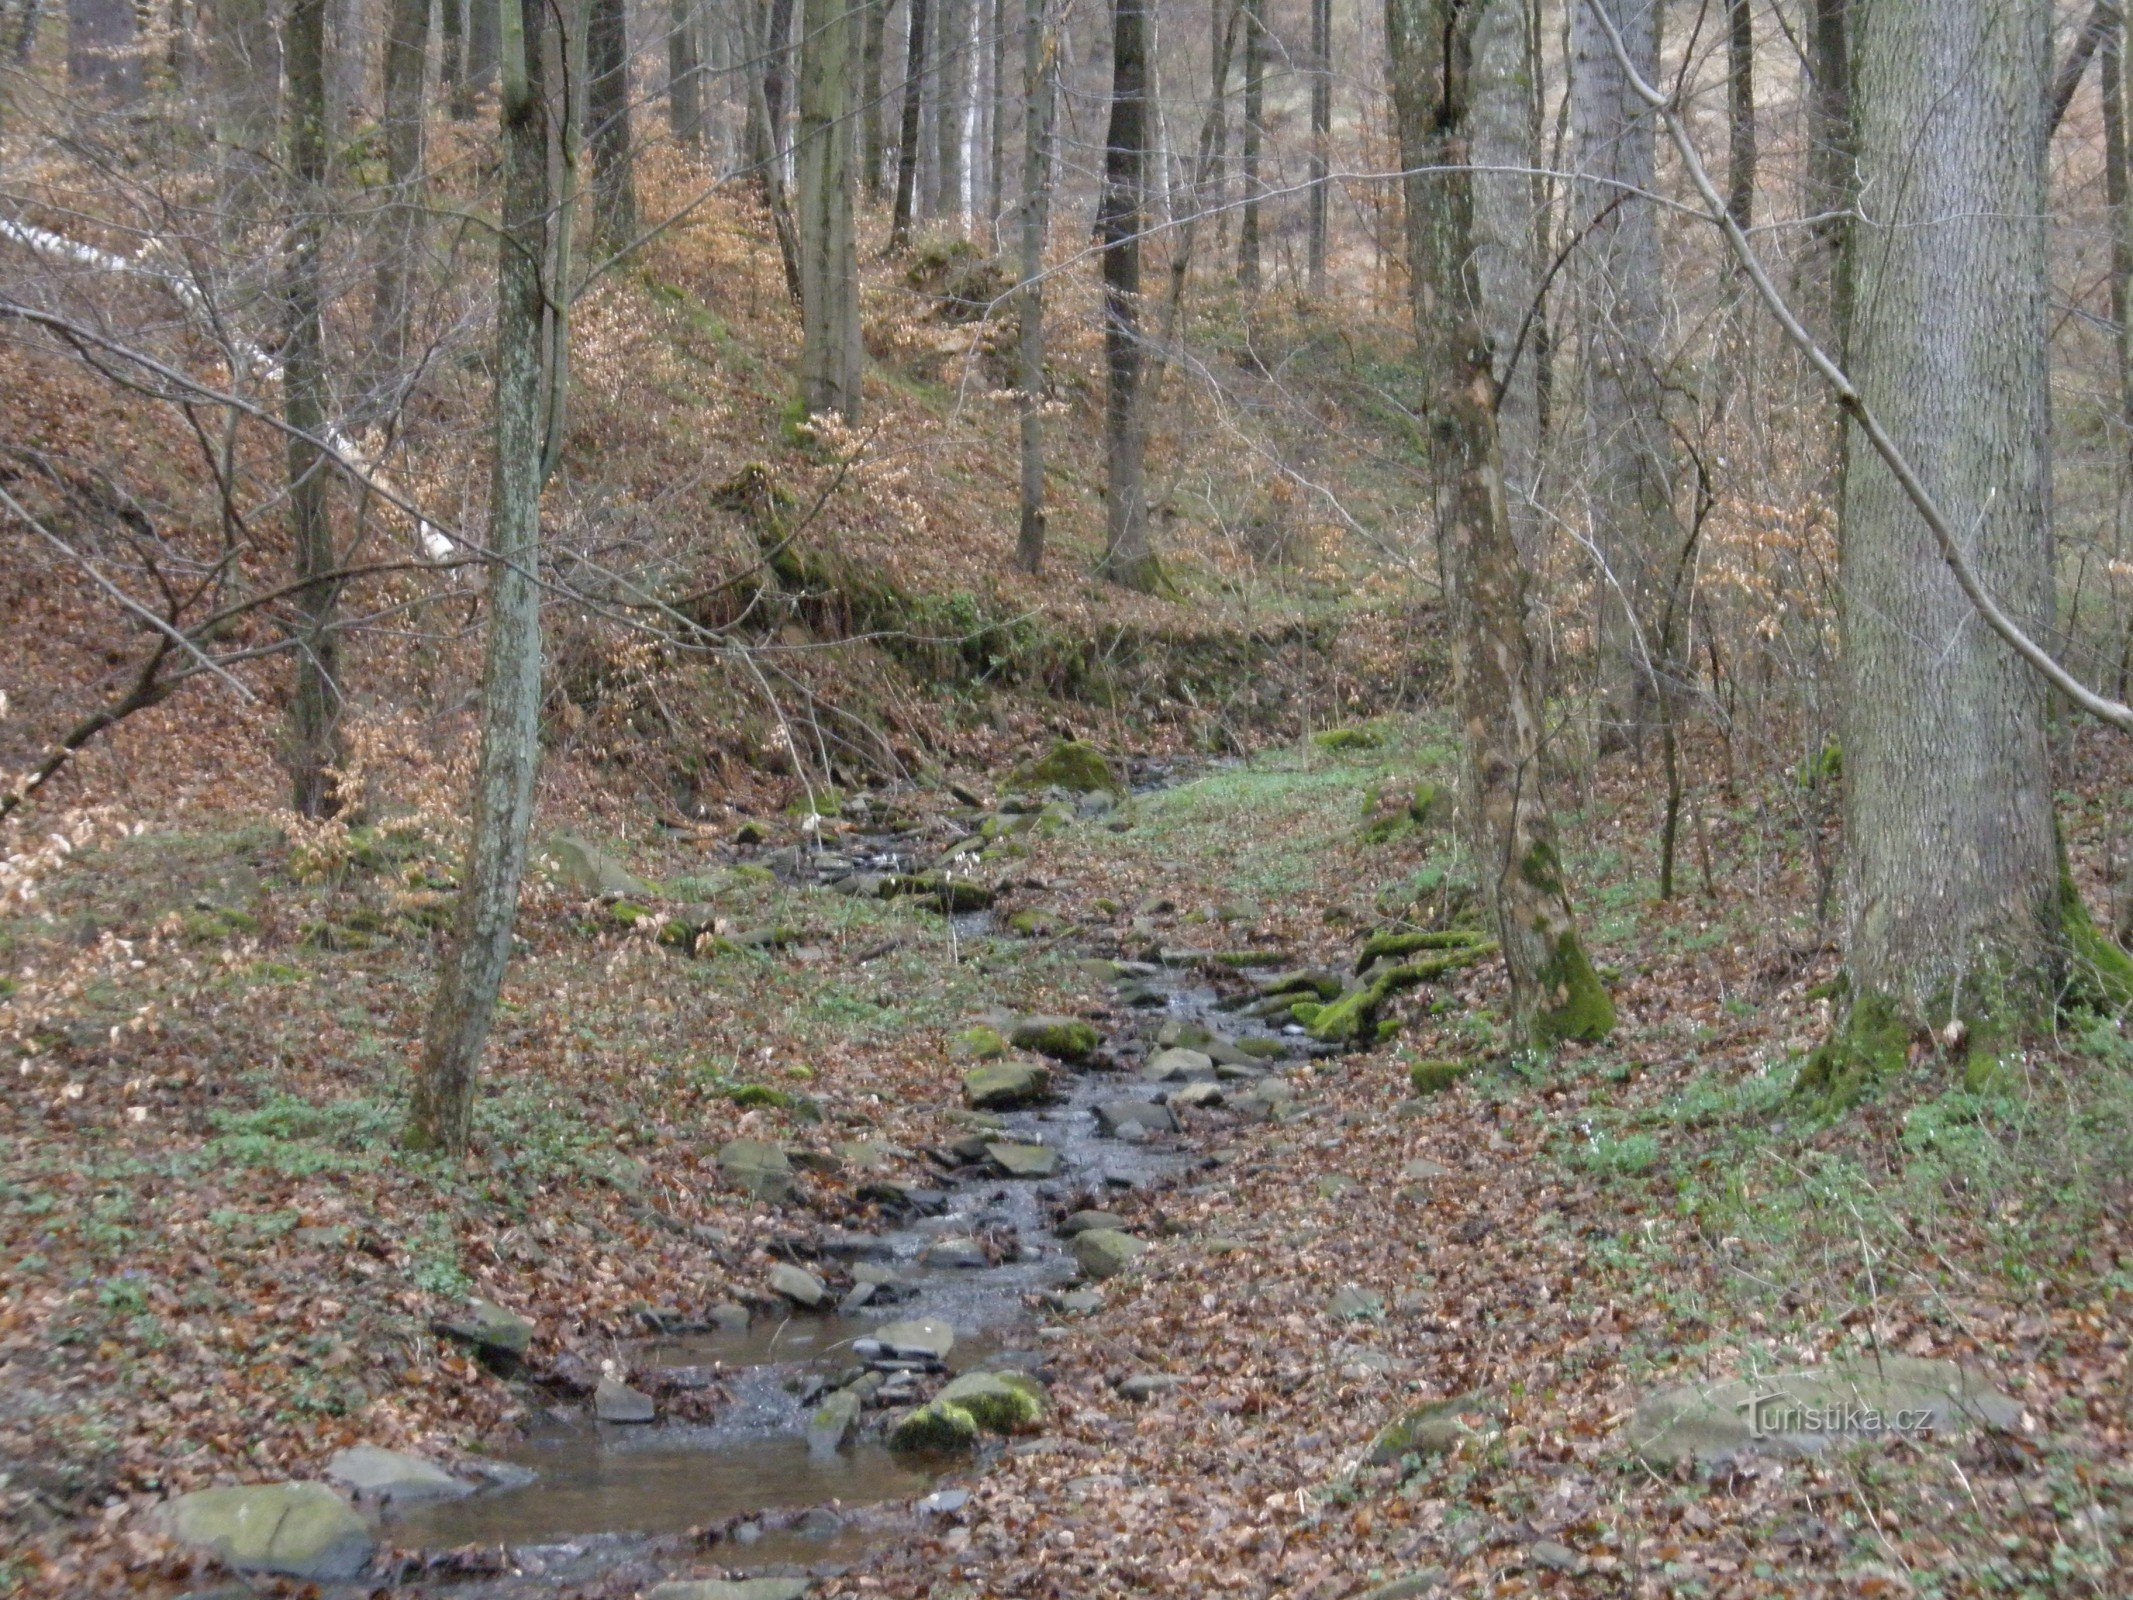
[{"x": 218, "y": 1266}]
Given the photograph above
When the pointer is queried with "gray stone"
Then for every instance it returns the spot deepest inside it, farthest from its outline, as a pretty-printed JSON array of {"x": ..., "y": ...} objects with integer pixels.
[
  {"x": 1083, "y": 1221},
  {"x": 1002, "y": 1085},
  {"x": 1413, "y": 1586},
  {"x": 1205, "y": 1095},
  {"x": 489, "y": 1328},
  {"x": 615, "y": 1401},
  {"x": 798, "y": 1285},
  {"x": 928, "y": 1338},
  {"x": 730, "y": 1589},
  {"x": 1812, "y": 1410},
  {"x": 1178, "y": 1033},
  {"x": 1116, "y": 1116},
  {"x": 1105, "y": 1252},
  {"x": 943, "y": 1501},
  {"x": 1145, "y": 1386},
  {"x": 1352, "y": 1304},
  {"x": 1421, "y": 1169},
  {"x": 1167, "y": 1065},
  {"x": 1002, "y": 1402},
  {"x": 758, "y": 1168},
  {"x": 1019, "y": 1160},
  {"x": 1076, "y": 1302},
  {"x": 730, "y": 1315},
  {"x": 876, "y": 1275},
  {"x": 955, "y": 1251},
  {"x": 586, "y": 869},
  {"x": 391, "y": 1477},
  {"x": 302, "y": 1530},
  {"x": 828, "y": 1424}
]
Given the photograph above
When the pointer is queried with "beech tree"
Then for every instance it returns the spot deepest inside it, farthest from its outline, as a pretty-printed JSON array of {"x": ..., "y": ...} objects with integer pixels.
[
  {"x": 831, "y": 354},
  {"x": 1128, "y": 557}
]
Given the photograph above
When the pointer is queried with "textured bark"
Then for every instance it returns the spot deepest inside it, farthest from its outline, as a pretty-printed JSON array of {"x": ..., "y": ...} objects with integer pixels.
[
  {"x": 1128, "y": 558},
  {"x": 244, "y": 74},
  {"x": 1040, "y": 68},
  {"x": 315, "y": 705},
  {"x": 1740, "y": 112},
  {"x": 996, "y": 125},
  {"x": 1629, "y": 455},
  {"x": 1506, "y": 224},
  {"x": 608, "y": 114},
  {"x": 829, "y": 261},
  {"x": 1321, "y": 136},
  {"x": 482, "y": 21},
  {"x": 103, "y": 50},
  {"x": 873, "y": 120},
  {"x": 1823, "y": 283},
  {"x": 1214, "y": 193},
  {"x": 1554, "y": 992},
  {"x": 777, "y": 73},
  {"x": 407, "y": 45},
  {"x": 451, "y": 51},
  {"x": 1951, "y": 885},
  {"x": 908, "y": 126},
  {"x": 685, "y": 84},
  {"x": 951, "y": 108},
  {"x": 441, "y": 1115},
  {"x": 1254, "y": 139}
]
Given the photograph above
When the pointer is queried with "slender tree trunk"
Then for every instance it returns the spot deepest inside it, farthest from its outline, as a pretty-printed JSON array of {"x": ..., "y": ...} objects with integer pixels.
[
  {"x": 482, "y": 28},
  {"x": 1128, "y": 557},
  {"x": 451, "y": 52},
  {"x": 951, "y": 109},
  {"x": 244, "y": 73},
  {"x": 1216, "y": 197},
  {"x": 563, "y": 47},
  {"x": 1555, "y": 994},
  {"x": 1824, "y": 283},
  {"x": 1321, "y": 135},
  {"x": 769, "y": 163},
  {"x": 685, "y": 83},
  {"x": 907, "y": 133},
  {"x": 830, "y": 355},
  {"x": 1040, "y": 68},
  {"x": 996, "y": 127},
  {"x": 407, "y": 47},
  {"x": 777, "y": 75},
  {"x": 874, "y": 118},
  {"x": 1506, "y": 231},
  {"x": 608, "y": 111},
  {"x": 1254, "y": 134},
  {"x": 1629, "y": 464},
  {"x": 1740, "y": 111},
  {"x": 104, "y": 51},
  {"x": 441, "y": 1115},
  {"x": 2115, "y": 156},
  {"x": 314, "y": 708},
  {"x": 1952, "y": 887}
]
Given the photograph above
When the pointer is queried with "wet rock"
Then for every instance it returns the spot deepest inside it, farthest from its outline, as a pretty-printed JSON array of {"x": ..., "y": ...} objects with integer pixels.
[
  {"x": 1024, "y": 1160},
  {"x": 730, "y": 1589},
  {"x": 905, "y": 1197},
  {"x": 1178, "y": 1033},
  {"x": 1811, "y": 1410},
  {"x": 1224, "y": 1053},
  {"x": 1352, "y": 1304},
  {"x": 1106, "y": 1252},
  {"x": 828, "y": 1424},
  {"x": 1263, "y": 1049},
  {"x": 758, "y": 1168},
  {"x": 980, "y": 1042},
  {"x": 301, "y": 1530},
  {"x": 1002, "y": 1402},
  {"x": 391, "y": 1477},
  {"x": 489, "y": 1328},
  {"x": 943, "y": 1501},
  {"x": 844, "y": 1244},
  {"x": 1302, "y": 981},
  {"x": 729, "y": 1315},
  {"x": 875, "y": 1275},
  {"x": 1002, "y": 1085},
  {"x": 1145, "y": 1386},
  {"x": 856, "y": 1299},
  {"x": 955, "y": 1251},
  {"x": 1169, "y": 1065},
  {"x": 1061, "y": 1038},
  {"x": 1071, "y": 765},
  {"x": 615, "y": 1401},
  {"x": 1143, "y": 996},
  {"x": 1083, "y": 1221},
  {"x": 927, "y": 1338},
  {"x": 798, "y": 1285},
  {"x": 935, "y": 1428},
  {"x": 586, "y": 869},
  {"x": 1115, "y": 1117},
  {"x": 1205, "y": 1095}
]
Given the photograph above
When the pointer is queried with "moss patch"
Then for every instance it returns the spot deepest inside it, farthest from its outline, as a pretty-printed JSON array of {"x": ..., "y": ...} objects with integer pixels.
[
  {"x": 1871, "y": 1043},
  {"x": 1582, "y": 1010},
  {"x": 1071, "y": 765}
]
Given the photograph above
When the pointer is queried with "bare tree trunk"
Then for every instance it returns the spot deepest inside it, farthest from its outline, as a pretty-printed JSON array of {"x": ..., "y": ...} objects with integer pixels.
[
  {"x": 1506, "y": 230},
  {"x": 1040, "y": 72},
  {"x": 1216, "y": 197},
  {"x": 314, "y": 708},
  {"x": 608, "y": 112},
  {"x": 244, "y": 71},
  {"x": 1629, "y": 464},
  {"x": 1824, "y": 281},
  {"x": 2115, "y": 155},
  {"x": 451, "y": 52},
  {"x": 874, "y": 119},
  {"x": 441, "y": 1115},
  {"x": 1740, "y": 111},
  {"x": 952, "y": 75},
  {"x": 1321, "y": 135},
  {"x": 482, "y": 27},
  {"x": 777, "y": 72},
  {"x": 104, "y": 51},
  {"x": 1254, "y": 134},
  {"x": 1952, "y": 883},
  {"x": 685, "y": 83},
  {"x": 407, "y": 48},
  {"x": 830, "y": 356},
  {"x": 907, "y": 133},
  {"x": 996, "y": 128},
  {"x": 1555, "y": 993},
  {"x": 1128, "y": 558}
]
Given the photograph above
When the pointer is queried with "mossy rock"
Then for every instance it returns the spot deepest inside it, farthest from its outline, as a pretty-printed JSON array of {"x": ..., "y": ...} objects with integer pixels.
[
  {"x": 1061, "y": 1038},
  {"x": 1002, "y": 1402},
  {"x": 1002, "y": 1085},
  {"x": 1434, "y": 1077},
  {"x": 1033, "y": 923},
  {"x": 1071, "y": 765},
  {"x": 301, "y": 1530},
  {"x": 1106, "y": 1252},
  {"x": 979, "y": 1042},
  {"x": 1393, "y": 944},
  {"x": 1430, "y": 1429},
  {"x": 1354, "y": 1018},
  {"x": 1359, "y": 736},
  {"x": 936, "y": 1428}
]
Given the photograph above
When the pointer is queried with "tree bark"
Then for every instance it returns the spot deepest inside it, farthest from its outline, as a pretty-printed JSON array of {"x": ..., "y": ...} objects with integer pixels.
[
  {"x": 950, "y": 109},
  {"x": 1554, "y": 992},
  {"x": 1824, "y": 283},
  {"x": 1128, "y": 558},
  {"x": 407, "y": 48},
  {"x": 1740, "y": 112},
  {"x": 1321, "y": 136},
  {"x": 830, "y": 356},
  {"x": 441, "y": 1114},
  {"x": 482, "y": 27},
  {"x": 1040, "y": 67},
  {"x": 1629, "y": 463},
  {"x": 244, "y": 73},
  {"x": 1254, "y": 136},
  {"x": 874, "y": 120},
  {"x": 907, "y": 133},
  {"x": 685, "y": 83},
  {"x": 1503, "y": 80},
  {"x": 1952, "y": 888},
  {"x": 608, "y": 111},
  {"x": 996, "y": 127},
  {"x": 104, "y": 51},
  {"x": 777, "y": 72},
  {"x": 451, "y": 50}
]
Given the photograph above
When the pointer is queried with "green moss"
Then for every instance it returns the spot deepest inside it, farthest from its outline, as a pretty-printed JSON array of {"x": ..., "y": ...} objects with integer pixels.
[
  {"x": 1071, "y": 765},
  {"x": 1061, "y": 1038},
  {"x": 1871, "y": 1043},
  {"x": 1581, "y": 1010},
  {"x": 980, "y": 1042},
  {"x": 935, "y": 1429},
  {"x": 1434, "y": 1077},
  {"x": 2098, "y": 973},
  {"x": 1353, "y": 1018},
  {"x": 1363, "y": 736},
  {"x": 1002, "y": 1402},
  {"x": 1542, "y": 869},
  {"x": 1391, "y": 946}
]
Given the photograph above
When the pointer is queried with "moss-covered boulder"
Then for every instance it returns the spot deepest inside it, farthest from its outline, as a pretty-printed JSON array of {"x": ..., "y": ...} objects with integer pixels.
[
  {"x": 301, "y": 1530},
  {"x": 1106, "y": 1252},
  {"x": 1434, "y": 1077},
  {"x": 1354, "y": 1018},
  {"x": 1003, "y": 1085},
  {"x": 1061, "y": 1038},
  {"x": 1429, "y": 1429},
  {"x": 489, "y": 1328},
  {"x": 1002, "y": 1402},
  {"x": 1071, "y": 765},
  {"x": 937, "y": 1428}
]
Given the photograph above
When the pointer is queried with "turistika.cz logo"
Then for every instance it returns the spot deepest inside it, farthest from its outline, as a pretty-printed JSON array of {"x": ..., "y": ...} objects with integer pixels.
[{"x": 1780, "y": 1413}]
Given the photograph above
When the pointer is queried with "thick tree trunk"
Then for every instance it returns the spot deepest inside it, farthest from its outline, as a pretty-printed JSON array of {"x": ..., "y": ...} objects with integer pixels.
[
  {"x": 1321, "y": 136},
  {"x": 1952, "y": 890},
  {"x": 407, "y": 46},
  {"x": 441, "y": 1115},
  {"x": 315, "y": 706},
  {"x": 1254, "y": 138},
  {"x": 608, "y": 113},
  {"x": 830, "y": 354},
  {"x": 1128, "y": 558},
  {"x": 1040, "y": 66},
  {"x": 104, "y": 57},
  {"x": 1629, "y": 463},
  {"x": 483, "y": 18},
  {"x": 1506, "y": 230},
  {"x": 685, "y": 83},
  {"x": 950, "y": 109},
  {"x": 1554, "y": 992},
  {"x": 874, "y": 117},
  {"x": 908, "y": 128}
]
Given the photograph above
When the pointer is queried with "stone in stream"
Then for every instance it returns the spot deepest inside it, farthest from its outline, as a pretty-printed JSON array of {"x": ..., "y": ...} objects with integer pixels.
[
  {"x": 857, "y": 1298},
  {"x": 1075, "y": 1302},
  {"x": 926, "y": 1338},
  {"x": 1083, "y": 1221},
  {"x": 1178, "y": 1033},
  {"x": 877, "y": 1276},
  {"x": 935, "y": 1429},
  {"x": 616, "y": 1401},
  {"x": 1168, "y": 1065},
  {"x": 1106, "y": 1252},
  {"x": 729, "y": 1315},
  {"x": 1071, "y": 765},
  {"x": 392, "y": 1477},
  {"x": 1061, "y": 1038},
  {"x": 1263, "y": 1049},
  {"x": 1024, "y": 1160},
  {"x": 757, "y": 1167},
  {"x": 730, "y": 1589},
  {"x": 1003, "y": 1085},
  {"x": 1811, "y": 1410},
  {"x": 1002, "y": 1402},
  {"x": 1224, "y": 1053},
  {"x": 828, "y": 1424},
  {"x": 1144, "y": 1116},
  {"x": 1143, "y": 996},
  {"x": 844, "y": 1244},
  {"x": 1238, "y": 1072},
  {"x": 957, "y": 1250},
  {"x": 798, "y": 1285},
  {"x": 301, "y": 1530},
  {"x": 489, "y": 1328},
  {"x": 1205, "y": 1095}
]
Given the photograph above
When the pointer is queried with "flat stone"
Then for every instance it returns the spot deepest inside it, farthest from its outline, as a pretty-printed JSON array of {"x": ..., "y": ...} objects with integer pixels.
[
  {"x": 758, "y": 1168},
  {"x": 1811, "y": 1410},
  {"x": 730, "y": 1589},
  {"x": 1145, "y": 1386},
  {"x": 926, "y": 1337},
  {"x": 1003, "y": 1085},
  {"x": 1167, "y": 1065},
  {"x": 1002, "y": 1402},
  {"x": 1083, "y": 1221},
  {"x": 489, "y": 1328},
  {"x": 614, "y": 1401},
  {"x": 798, "y": 1285},
  {"x": 943, "y": 1501},
  {"x": 1106, "y": 1252},
  {"x": 1024, "y": 1160},
  {"x": 1205, "y": 1095},
  {"x": 955, "y": 1251},
  {"x": 1353, "y": 1304},
  {"x": 1076, "y": 1302},
  {"x": 1061, "y": 1038},
  {"x": 829, "y": 1422},
  {"x": 302, "y": 1530},
  {"x": 1116, "y": 1116},
  {"x": 392, "y": 1477}
]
